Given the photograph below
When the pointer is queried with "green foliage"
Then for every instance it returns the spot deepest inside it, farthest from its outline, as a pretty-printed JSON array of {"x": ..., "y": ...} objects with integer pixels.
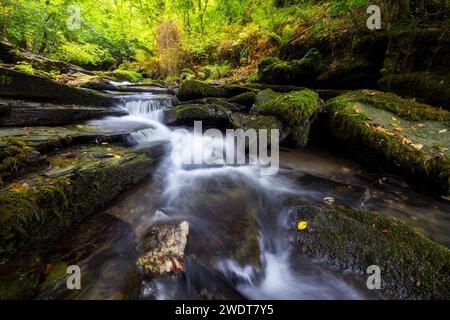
[
  {"x": 85, "y": 55},
  {"x": 122, "y": 75},
  {"x": 12, "y": 157}
]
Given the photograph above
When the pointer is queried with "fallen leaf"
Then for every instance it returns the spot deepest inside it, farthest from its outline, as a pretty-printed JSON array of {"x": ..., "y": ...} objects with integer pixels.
[
  {"x": 413, "y": 128},
  {"x": 443, "y": 131},
  {"x": 421, "y": 125},
  {"x": 302, "y": 225},
  {"x": 394, "y": 119},
  {"x": 117, "y": 156},
  {"x": 398, "y": 129},
  {"x": 105, "y": 143},
  {"x": 386, "y": 232},
  {"x": 17, "y": 186},
  {"x": 109, "y": 149},
  {"x": 48, "y": 268},
  {"x": 79, "y": 126},
  {"x": 417, "y": 146}
]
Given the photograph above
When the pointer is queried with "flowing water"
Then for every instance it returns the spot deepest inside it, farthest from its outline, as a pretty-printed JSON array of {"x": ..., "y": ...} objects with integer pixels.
[{"x": 239, "y": 244}]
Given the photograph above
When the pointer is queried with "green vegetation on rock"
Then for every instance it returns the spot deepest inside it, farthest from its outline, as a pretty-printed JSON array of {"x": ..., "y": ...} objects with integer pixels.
[
  {"x": 193, "y": 89},
  {"x": 412, "y": 267},
  {"x": 416, "y": 143},
  {"x": 296, "y": 110}
]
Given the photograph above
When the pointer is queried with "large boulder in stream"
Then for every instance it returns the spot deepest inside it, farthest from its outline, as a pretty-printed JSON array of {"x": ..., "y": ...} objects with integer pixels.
[
  {"x": 17, "y": 84},
  {"x": 296, "y": 110},
  {"x": 412, "y": 266},
  {"x": 399, "y": 134},
  {"x": 162, "y": 248},
  {"x": 215, "y": 115}
]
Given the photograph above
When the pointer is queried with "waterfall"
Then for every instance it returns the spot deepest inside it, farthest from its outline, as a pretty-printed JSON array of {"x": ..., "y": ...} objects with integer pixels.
[{"x": 150, "y": 108}]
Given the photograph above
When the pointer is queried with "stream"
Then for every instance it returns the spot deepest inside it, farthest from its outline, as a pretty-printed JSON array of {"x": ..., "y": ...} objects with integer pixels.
[{"x": 239, "y": 243}]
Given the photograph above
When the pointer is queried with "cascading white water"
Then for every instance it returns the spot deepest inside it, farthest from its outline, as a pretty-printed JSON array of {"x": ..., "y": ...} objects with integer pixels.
[
  {"x": 150, "y": 108},
  {"x": 182, "y": 186}
]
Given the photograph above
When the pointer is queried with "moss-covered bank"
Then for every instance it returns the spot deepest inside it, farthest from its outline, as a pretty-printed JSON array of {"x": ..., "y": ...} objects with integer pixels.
[
  {"x": 384, "y": 129},
  {"x": 41, "y": 208},
  {"x": 412, "y": 267}
]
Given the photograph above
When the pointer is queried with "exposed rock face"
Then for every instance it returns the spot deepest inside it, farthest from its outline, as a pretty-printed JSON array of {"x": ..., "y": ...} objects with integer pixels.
[
  {"x": 26, "y": 113},
  {"x": 163, "y": 248},
  {"x": 402, "y": 134},
  {"x": 412, "y": 267},
  {"x": 16, "y": 84}
]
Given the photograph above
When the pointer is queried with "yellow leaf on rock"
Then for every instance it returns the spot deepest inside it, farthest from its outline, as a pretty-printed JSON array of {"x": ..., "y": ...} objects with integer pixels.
[
  {"x": 398, "y": 129},
  {"x": 105, "y": 143},
  {"x": 421, "y": 125},
  {"x": 302, "y": 225},
  {"x": 109, "y": 149},
  {"x": 417, "y": 146},
  {"x": 117, "y": 156}
]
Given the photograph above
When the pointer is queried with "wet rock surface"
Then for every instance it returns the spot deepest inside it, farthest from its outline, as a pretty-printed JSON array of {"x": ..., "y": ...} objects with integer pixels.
[
  {"x": 162, "y": 248},
  {"x": 26, "y": 113}
]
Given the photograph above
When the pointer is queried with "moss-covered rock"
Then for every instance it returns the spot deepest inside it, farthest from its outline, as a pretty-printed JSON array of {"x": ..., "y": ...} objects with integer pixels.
[
  {"x": 17, "y": 158},
  {"x": 412, "y": 266},
  {"x": 386, "y": 130},
  {"x": 209, "y": 114},
  {"x": 298, "y": 72},
  {"x": 269, "y": 123},
  {"x": 430, "y": 88},
  {"x": 19, "y": 278},
  {"x": 296, "y": 110},
  {"x": 245, "y": 99},
  {"x": 193, "y": 89},
  {"x": 42, "y": 207}
]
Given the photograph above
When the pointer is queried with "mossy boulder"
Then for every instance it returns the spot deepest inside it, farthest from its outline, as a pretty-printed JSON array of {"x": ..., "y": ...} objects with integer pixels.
[
  {"x": 43, "y": 206},
  {"x": 269, "y": 123},
  {"x": 298, "y": 72},
  {"x": 412, "y": 266},
  {"x": 245, "y": 99},
  {"x": 209, "y": 114},
  {"x": 193, "y": 89},
  {"x": 430, "y": 88},
  {"x": 401, "y": 134},
  {"x": 296, "y": 110}
]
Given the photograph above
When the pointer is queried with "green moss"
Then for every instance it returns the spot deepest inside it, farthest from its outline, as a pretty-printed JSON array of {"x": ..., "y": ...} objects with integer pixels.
[
  {"x": 193, "y": 89},
  {"x": 120, "y": 75},
  {"x": 35, "y": 214},
  {"x": 412, "y": 267},
  {"x": 303, "y": 71},
  {"x": 210, "y": 114},
  {"x": 403, "y": 145},
  {"x": 430, "y": 88},
  {"x": 246, "y": 99},
  {"x": 294, "y": 109},
  {"x": 27, "y": 67},
  {"x": 12, "y": 157}
]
